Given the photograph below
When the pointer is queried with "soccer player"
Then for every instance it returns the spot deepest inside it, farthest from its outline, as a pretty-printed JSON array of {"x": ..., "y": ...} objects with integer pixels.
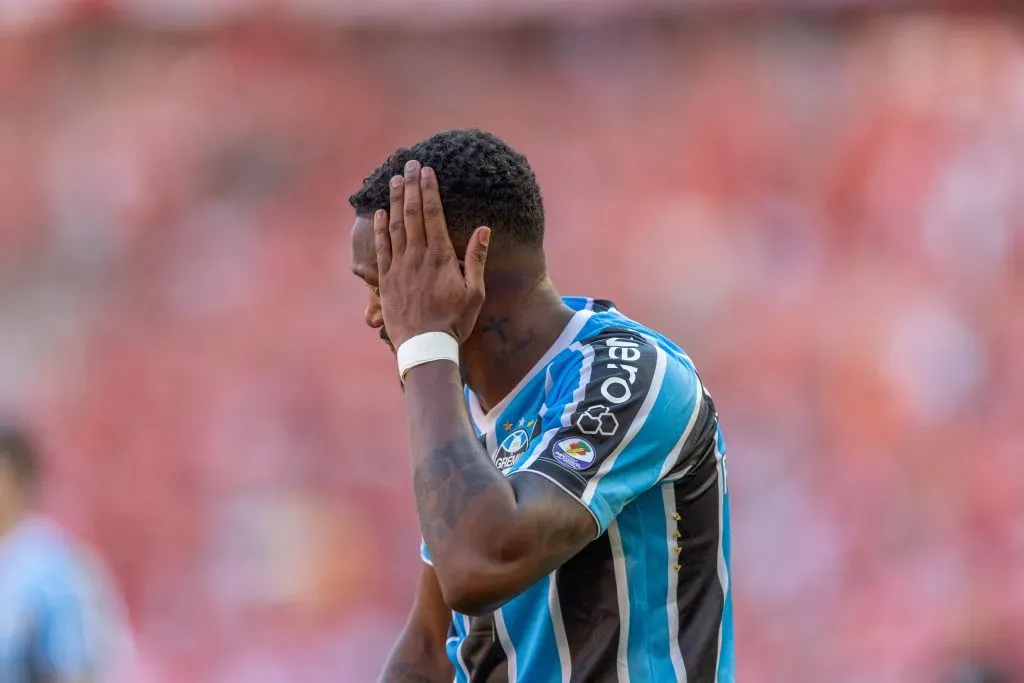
[
  {"x": 569, "y": 470},
  {"x": 60, "y": 621}
]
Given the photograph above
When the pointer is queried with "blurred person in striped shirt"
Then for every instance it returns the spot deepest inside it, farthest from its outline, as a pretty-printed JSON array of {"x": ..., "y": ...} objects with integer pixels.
[{"x": 61, "y": 621}]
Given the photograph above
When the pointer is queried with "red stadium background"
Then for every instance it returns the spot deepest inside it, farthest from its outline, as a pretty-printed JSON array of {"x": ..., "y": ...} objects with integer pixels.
[{"x": 825, "y": 208}]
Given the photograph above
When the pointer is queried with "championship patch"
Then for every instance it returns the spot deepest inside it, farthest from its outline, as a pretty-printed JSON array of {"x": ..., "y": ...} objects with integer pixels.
[{"x": 575, "y": 454}]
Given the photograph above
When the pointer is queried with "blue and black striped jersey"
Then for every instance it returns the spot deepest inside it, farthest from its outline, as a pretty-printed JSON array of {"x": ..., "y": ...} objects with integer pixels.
[{"x": 615, "y": 415}]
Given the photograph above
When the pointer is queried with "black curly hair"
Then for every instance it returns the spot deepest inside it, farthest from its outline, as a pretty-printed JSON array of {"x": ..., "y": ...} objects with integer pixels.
[{"x": 482, "y": 180}]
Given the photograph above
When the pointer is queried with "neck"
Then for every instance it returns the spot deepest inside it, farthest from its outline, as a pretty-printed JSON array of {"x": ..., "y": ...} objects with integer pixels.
[{"x": 517, "y": 325}]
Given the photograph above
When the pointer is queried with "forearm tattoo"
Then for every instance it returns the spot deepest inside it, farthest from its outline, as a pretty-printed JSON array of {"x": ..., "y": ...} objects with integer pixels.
[{"x": 447, "y": 481}]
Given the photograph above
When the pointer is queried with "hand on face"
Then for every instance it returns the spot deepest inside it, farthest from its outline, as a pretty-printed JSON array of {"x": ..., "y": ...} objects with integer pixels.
[{"x": 422, "y": 286}]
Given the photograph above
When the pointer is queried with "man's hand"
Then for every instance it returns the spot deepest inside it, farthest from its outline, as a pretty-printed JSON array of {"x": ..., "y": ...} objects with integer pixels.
[{"x": 422, "y": 287}]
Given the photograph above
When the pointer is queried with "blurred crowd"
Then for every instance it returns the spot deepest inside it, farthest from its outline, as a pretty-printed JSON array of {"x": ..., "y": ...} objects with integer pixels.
[{"x": 828, "y": 216}]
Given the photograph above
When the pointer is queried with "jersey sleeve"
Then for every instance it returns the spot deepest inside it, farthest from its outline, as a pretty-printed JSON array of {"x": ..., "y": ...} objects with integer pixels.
[
  {"x": 617, "y": 420},
  {"x": 82, "y": 628},
  {"x": 425, "y": 554},
  {"x": 68, "y": 644}
]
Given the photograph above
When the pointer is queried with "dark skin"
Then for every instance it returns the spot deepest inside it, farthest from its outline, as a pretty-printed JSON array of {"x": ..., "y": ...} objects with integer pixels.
[
  {"x": 489, "y": 537},
  {"x": 419, "y": 655}
]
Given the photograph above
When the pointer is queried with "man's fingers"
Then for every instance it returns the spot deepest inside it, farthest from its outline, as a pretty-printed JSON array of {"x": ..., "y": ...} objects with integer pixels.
[
  {"x": 413, "y": 209},
  {"x": 382, "y": 241},
  {"x": 476, "y": 261},
  {"x": 397, "y": 228},
  {"x": 433, "y": 214}
]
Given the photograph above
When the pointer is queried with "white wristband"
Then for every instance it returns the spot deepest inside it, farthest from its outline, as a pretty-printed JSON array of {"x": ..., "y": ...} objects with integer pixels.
[{"x": 426, "y": 348}]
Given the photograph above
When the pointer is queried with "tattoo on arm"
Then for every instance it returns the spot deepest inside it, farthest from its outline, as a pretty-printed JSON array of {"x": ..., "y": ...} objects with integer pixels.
[
  {"x": 472, "y": 517},
  {"x": 447, "y": 481}
]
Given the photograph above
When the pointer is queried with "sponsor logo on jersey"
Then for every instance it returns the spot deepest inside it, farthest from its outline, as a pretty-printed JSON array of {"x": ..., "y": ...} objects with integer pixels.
[
  {"x": 618, "y": 388},
  {"x": 576, "y": 454},
  {"x": 514, "y": 445},
  {"x": 598, "y": 420}
]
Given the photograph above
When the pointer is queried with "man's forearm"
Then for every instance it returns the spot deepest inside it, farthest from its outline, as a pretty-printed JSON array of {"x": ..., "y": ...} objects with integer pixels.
[
  {"x": 489, "y": 538},
  {"x": 459, "y": 491}
]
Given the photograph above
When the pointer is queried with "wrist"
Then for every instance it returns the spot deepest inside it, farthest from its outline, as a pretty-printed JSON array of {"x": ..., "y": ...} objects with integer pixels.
[
  {"x": 400, "y": 334},
  {"x": 426, "y": 348}
]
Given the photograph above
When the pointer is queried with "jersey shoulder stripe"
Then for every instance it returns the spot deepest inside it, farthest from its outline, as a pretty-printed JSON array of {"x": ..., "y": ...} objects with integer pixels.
[{"x": 618, "y": 406}]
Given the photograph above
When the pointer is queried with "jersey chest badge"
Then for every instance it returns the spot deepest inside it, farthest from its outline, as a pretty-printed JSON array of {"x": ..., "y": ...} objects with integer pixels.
[{"x": 515, "y": 443}]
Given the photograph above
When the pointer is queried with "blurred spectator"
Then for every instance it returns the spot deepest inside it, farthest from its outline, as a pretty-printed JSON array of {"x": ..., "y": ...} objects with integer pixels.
[{"x": 60, "y": 619}]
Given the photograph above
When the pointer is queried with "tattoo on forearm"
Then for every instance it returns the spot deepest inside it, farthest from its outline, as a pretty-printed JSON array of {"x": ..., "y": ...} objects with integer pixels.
[{"x": 447, "y": 481}]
